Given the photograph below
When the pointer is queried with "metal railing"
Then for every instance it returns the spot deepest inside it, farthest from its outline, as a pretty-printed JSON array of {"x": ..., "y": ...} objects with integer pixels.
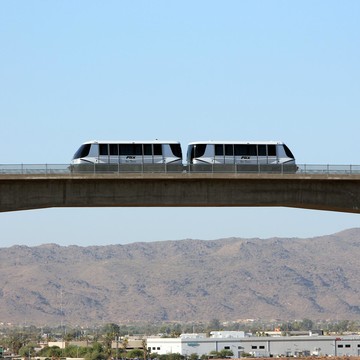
[
  {"x": 36, "y": 169},
  {"x": 58, "y": 169},
  {"x": 328, "y": 169}
]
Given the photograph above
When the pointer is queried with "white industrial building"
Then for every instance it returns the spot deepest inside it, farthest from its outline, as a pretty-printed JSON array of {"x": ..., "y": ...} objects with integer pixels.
[{"x": 259, "y": 346}]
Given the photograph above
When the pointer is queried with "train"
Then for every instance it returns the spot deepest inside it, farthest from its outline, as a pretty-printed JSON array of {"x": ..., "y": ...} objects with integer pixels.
[{"x": 201, "y": 156}]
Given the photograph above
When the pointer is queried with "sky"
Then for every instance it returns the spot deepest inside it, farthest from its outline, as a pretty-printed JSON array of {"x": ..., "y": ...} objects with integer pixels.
[{"x": 73, "y": 71}]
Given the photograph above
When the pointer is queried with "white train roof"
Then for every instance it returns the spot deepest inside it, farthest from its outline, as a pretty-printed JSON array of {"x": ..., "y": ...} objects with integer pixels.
[
  {"x": 237, "y": 142},
  {"x": 131, "y": 142}
]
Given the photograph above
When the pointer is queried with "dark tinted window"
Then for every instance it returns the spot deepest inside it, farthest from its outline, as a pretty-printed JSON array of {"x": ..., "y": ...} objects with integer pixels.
[
  {"x": 157, "y": 149},
  {"x": 229, "y": 150},
  {"x": 147, "y": 149},
  {"x": 245, "y": 150},
  {"x": 137, "y": 149},
  {"x": 176, "y": 150},
  {"x": 130, "y": 149},
  {"x": 199, "y": 150},
  {"x": 103, "y": 149},
  {"x": 252, "y": 150},
  {"x": 83, "y": 151},
  {"x": 271, "y": 150},
  {"x": 190, "y": 152},
  {"x": 240, "y": 150},
  {"x": 288, "y": 152},
  {"x": 262, "y": 150},
  {"x": 114, "y": 149},
  {"x": 195, "y": 151},
  {"x": 125, "y": 149},
  {"x": 219, "y": 150}
]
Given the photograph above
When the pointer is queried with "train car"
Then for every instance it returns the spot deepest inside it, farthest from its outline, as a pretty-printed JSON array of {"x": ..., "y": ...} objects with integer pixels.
[
  {"x": 130, "y": 156},
  {"x": 249, "y": 156}
]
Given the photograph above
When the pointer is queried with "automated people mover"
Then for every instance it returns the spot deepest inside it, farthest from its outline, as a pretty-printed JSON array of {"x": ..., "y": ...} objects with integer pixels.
[
  {"x": 127, "y": 156},
  {"x": 267, "y": 156},
  {"x": 202, "y": 156}
]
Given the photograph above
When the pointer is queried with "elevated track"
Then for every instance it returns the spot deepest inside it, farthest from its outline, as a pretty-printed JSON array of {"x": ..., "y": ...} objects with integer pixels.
[{"x": 320, "y": 191}]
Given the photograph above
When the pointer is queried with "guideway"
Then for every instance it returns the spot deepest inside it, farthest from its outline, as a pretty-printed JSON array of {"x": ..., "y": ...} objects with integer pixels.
[{"x": 320, "y": 192}]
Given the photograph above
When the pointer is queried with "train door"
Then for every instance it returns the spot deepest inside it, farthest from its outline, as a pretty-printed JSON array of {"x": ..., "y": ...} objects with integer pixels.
[
  {"x": 104, "y": 153},
  {"x": 252, "y": 153},
  {"x": 272, "y": 154},
  {"x": 158, "y": 157},
  {"x": 148, "y": 154},
  {"x": 137, "y": 153},
  {"x": 229, "y": 154},
  {"x": 114, "y": 153},
  {"x": 262, "y": 154},
  {"x": 218, "y": 155}
]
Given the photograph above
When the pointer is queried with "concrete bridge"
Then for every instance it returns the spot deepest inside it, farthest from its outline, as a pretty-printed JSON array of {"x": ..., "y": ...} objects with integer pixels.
[{"x": 321, "y": 192}]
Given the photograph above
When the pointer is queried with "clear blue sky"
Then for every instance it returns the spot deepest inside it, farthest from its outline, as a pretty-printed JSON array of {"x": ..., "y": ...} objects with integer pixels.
[{"x": 72, "y": 71}]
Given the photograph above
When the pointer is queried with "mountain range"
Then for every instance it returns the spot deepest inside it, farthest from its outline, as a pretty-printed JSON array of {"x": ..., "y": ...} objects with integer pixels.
[{"x": 183, "y": 280}]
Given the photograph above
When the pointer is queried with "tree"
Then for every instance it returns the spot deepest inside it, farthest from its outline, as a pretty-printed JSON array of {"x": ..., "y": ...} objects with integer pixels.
[
  {"x": 74, "y": 351},
  {"x": 111, "y": 328},
  {"x": 176, "y": 330},
  {"x": 135, "y": 353},
  {"x": 307, "y": 324},
  {"x": 145, "y": 349},
  {"x": 96, "y": 352},
  {"x": 125, "y": 343},
  {"x": 214, "y": 354},
  {"x": 111, "y": 332},
  {"x": 27, "y": 351},
  {"x": 174, "y": 356},
  {"x": 214, "y": 325},
  {"x": 194, "y": 356},
  {"x": 15, "y": 341},
  {"x": 224, "y": 353},
  {"x": 53, "y": 352}
]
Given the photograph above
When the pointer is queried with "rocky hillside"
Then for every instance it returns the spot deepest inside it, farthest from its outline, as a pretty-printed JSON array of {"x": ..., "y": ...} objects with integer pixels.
[{"x": 183, "y": 280}]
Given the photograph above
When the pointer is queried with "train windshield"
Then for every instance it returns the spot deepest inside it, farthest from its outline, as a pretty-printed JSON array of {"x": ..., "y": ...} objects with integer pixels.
[
  {"x": 195, "y": 151},
  {"x": 288, "y": 152},
  {"x": 176, "y": 150},
  {"x": 83, "y": 151}
]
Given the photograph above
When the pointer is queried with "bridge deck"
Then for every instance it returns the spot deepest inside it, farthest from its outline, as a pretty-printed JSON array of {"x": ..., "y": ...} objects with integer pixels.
[
  {"x": 334, "y": 192},
  {"x": 193, "y": 175}
]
